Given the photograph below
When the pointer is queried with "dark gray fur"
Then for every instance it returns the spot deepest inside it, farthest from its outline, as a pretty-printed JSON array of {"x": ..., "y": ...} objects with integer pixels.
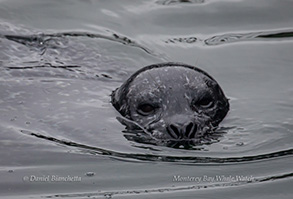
[{"x": 187, "y": 101}]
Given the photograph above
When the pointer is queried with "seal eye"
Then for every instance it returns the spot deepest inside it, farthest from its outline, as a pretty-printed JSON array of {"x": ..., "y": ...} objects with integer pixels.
[
  {"x": 206, "y": 102},
  {"x": 145, "y": 109},
  {"x": 203, "y": 103}
]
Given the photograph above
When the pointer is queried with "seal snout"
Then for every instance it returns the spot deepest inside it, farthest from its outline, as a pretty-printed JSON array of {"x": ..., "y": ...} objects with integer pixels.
[{"x": 179, "y": 131}]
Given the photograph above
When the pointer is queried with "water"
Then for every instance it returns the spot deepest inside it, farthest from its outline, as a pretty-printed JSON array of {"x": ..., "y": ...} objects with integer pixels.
[{"x": 60, "y": 61}]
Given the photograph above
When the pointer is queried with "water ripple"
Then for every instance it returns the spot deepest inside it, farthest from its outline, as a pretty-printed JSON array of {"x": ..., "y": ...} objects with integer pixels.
[
  {"x": 174, "y": 2},
  {"x": 163, "y": 158},
  {"x": 253, "y": 36},
  {"x": 110, "y": 194},
  {"x": 51, "y": 40},
  {"x": 60, "y": 54},
  {"x": 187, "y": 40},
  {"x": 68, "y": 67}
]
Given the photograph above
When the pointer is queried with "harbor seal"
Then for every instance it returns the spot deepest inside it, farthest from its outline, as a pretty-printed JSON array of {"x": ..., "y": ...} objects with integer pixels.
[{"x": 171, "y": 101}]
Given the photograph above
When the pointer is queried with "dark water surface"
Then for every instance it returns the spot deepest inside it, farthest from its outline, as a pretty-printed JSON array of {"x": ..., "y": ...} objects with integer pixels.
[{"x": 60, "y": 61}]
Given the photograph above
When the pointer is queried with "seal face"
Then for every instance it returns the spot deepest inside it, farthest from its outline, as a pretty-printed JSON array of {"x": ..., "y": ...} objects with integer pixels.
[{"x": 171, "y": 101}]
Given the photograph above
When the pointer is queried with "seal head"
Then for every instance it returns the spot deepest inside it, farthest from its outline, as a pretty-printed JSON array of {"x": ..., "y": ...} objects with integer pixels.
[{"x": 171, "y": 101}]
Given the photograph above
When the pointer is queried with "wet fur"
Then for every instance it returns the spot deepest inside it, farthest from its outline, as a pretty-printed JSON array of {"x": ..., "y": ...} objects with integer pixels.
[{"x": 119, "y": 100}]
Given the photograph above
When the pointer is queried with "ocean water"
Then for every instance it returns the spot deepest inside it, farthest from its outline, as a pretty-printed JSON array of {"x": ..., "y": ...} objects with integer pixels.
[{"x": 60, "y": 61}]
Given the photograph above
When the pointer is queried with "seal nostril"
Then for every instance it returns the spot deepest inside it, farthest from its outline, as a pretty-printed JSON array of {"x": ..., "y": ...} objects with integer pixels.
[
  {"x": 173, "y": 131},
  {"x": 190, "y": 130}
]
